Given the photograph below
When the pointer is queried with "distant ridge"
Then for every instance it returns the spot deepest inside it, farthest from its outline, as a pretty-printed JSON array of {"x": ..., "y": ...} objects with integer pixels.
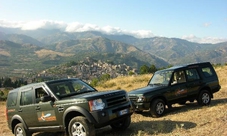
[{"x": 21, "y": 49}]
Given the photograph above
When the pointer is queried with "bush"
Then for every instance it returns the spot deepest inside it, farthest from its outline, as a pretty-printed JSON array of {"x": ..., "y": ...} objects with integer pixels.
[{"x": 94, "y": 82}]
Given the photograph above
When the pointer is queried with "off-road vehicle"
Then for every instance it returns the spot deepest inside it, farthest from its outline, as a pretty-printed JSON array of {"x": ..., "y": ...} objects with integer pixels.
[
  {"x": 67, "y": 105},
  {"x": 177, "y": 84}
]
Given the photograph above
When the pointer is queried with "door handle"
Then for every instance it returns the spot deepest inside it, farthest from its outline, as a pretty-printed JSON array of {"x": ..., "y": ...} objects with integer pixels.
[
  {"x": 37, "y": 108},
  {"x": 20, "y": 110}
]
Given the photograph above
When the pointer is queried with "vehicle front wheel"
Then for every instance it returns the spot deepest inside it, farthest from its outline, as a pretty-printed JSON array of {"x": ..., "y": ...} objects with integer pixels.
[
  {"x": 204, "y": 98},
  {"x": 122, "y": 125},
  {"x": 19, "y": 130},
  {"x": 157, "y": 108},
  {"x": 80, "y": 126}
]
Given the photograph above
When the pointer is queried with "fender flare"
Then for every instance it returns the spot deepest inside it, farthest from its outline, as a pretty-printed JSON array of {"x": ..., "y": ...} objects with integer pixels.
[
  {"x": 80, "y": 110},
  {"x": 19, "y": 118},
  {"x": 158, "y": 96}
]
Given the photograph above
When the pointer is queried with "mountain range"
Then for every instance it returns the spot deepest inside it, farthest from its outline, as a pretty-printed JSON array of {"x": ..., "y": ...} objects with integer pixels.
[{"x": 41, "y": 49}]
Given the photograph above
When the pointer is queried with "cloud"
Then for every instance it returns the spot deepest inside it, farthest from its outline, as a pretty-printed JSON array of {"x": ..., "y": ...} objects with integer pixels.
[
  {"x": 80, "y": 27},
  {"x": 206, "y": 24},
  {"x": 74, "y": 27},
  {"x": 11, "y": 24},
  {"x": 45, "y": 24},
  {"x": 112, "y": 30},
  {"x": 142, "y": 34},
  {"x": 213, "y": 40}
]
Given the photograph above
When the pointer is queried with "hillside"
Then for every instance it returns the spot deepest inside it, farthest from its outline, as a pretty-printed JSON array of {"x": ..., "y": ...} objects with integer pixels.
[
  {"x": 173, "y": 50},
  {"x": 40, "y": 49},
  {"x": 178, "y": 51},
  {"x": 37, "y": 58}
]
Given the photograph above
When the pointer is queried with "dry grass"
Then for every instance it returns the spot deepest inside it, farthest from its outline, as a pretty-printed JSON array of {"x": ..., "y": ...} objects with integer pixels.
[{"x": 187, "y": 120}]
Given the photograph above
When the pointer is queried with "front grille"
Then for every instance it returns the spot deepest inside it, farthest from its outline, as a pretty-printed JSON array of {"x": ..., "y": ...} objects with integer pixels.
[{"x": 116, "y": 100}]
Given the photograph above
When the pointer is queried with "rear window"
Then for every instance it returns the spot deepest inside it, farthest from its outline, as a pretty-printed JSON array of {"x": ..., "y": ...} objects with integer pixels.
[
  {"x": 207, "y": 72},
  {"x": 12, "y": 99}
]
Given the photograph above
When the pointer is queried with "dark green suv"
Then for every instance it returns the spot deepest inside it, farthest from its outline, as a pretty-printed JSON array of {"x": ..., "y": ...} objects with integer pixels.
[
  {"x": 177, "y": 84},
  {"x": 67, "y": 105}
]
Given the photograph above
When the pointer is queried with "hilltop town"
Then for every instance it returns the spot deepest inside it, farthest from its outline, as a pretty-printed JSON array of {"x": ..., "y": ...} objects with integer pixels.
[{"x": 87, "y": 69}]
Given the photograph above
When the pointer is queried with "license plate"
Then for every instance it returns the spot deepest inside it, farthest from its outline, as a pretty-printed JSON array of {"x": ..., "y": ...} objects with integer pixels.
[{"x": 122, "y": 112}]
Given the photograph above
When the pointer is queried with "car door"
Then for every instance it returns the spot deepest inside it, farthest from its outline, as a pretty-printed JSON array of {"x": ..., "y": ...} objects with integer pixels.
[
  {"x": 193, "y": 82},
  {"x": 45, "y": 111},
  {"x": 27, "y": 107},
  {"x": 178, "y": 89}
]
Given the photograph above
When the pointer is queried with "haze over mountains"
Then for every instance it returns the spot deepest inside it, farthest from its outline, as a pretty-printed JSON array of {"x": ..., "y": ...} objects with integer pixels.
[{"x": 40, "y": 49}]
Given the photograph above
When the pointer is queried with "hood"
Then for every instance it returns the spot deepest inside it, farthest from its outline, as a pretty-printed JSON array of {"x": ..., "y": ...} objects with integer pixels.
[
  {"x": 149, "y": 88},
  {"x": 94, "y": 95}
]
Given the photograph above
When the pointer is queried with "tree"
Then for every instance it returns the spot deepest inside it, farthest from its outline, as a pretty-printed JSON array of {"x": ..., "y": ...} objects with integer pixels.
[
  {"x": 153, "y": 69},
  {"x": 144, "y": 69},
  {"x": 131, "y": 73},
  {"x": 94, "y": 82},
  {"x": 7, "y": 82}
]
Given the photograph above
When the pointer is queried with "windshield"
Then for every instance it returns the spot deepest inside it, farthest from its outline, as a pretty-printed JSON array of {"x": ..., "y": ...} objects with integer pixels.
[
  {"x": 161, "y": 78},
  {"x": 69, "y": 88}
]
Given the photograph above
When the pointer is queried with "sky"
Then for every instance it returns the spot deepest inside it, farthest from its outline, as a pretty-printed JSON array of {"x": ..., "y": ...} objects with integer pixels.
[{"x": 203, "y": 21}]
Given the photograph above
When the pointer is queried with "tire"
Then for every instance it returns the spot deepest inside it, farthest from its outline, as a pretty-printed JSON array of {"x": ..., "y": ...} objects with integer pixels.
[
  {"x": 79, "y": 126},
  {"x": 204, "y": 98},
  {"x": 157, "y": 108},
  {"x": 19, "y": 130},
  {"x": 122, "y": 125}
]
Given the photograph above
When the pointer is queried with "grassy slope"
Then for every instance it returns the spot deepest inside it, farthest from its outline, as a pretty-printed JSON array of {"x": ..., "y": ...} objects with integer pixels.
[{"x": 180, "y": 121}]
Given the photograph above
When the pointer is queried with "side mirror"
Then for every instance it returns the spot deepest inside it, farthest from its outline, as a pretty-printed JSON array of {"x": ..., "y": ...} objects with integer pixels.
[{"x": 46, "y": 98}]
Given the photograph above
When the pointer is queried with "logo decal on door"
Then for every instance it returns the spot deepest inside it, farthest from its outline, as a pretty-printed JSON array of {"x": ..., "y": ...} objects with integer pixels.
[
  {"x": 46, "y": 116},
  {"x": 181, "y": 92}
]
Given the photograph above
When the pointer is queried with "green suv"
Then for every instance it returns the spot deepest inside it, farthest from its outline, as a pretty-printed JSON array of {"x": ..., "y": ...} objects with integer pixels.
[
  {"x": 177, "y": 84},
  {"x": 67, "y": 105}
]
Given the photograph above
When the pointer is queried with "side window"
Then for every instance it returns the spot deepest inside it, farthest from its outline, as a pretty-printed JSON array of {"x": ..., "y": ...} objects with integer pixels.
[
  {"x": 26, "y": 98},
  {"x": 39, "y": 92},
  {"x": 207, "y": 72},
  {"x": 178, "y": 77},
  {"x": 12, "y": 99},
  {"x": 192, "y": 74}
]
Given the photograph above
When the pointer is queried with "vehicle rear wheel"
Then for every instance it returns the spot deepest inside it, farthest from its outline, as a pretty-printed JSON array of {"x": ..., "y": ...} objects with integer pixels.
[
  {"x": 157, "y": 108},
  {"x": 19, "y": 130},
  {"x": 79, "y": 126},
  {"x": 122, "y": 125},
  {"x": 204, "y": 98}
]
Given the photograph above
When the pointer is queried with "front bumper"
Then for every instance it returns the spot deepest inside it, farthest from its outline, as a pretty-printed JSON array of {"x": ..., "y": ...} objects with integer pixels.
[
  {"x": 111, "y": 115},
  {"x": 138, "y": 106}
]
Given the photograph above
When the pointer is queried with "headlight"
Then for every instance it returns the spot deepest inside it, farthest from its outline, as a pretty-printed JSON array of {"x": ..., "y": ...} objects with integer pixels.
[
  {"x": 140, "y": 99},
  {"x": 96, "y": 104}
]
